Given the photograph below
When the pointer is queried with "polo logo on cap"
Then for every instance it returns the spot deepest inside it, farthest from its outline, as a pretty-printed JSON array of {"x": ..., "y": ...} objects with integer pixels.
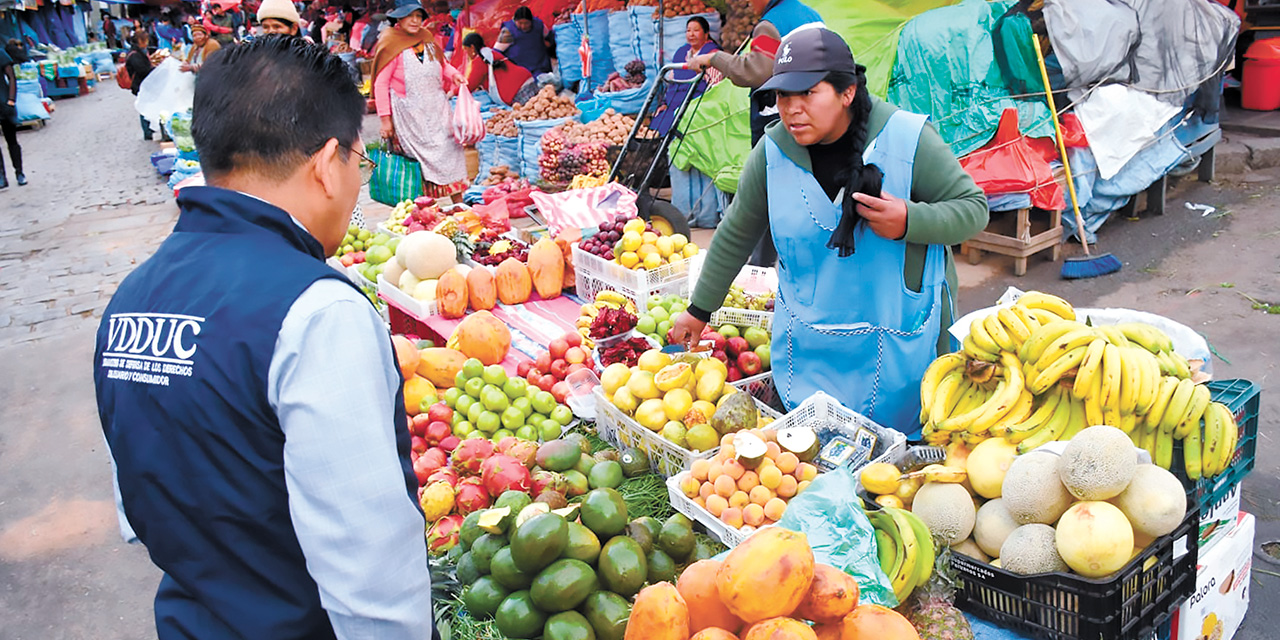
[{"x": 785, "y": 58}]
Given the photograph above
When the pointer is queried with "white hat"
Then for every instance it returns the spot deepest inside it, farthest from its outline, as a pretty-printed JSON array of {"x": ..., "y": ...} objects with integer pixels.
[{"x": 280, "y": 10}]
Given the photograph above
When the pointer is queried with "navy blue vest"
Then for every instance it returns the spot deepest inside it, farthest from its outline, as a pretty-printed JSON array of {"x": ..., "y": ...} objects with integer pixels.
[
  {"x": 529, "y": 49},
  {"x": 181, "y": 367}
]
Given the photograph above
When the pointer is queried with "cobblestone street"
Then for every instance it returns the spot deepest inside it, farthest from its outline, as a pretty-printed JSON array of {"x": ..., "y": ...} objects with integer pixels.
[{"x": 95, "y": 209}]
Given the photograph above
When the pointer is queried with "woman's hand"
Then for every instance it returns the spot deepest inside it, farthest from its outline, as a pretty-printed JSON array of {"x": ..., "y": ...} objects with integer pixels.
[
  {"x": 388, "y": 129},
  {"x": 887, "y": 215},
  {"x": 687, "y": 330},
  {"x": 185, "y": 67}
]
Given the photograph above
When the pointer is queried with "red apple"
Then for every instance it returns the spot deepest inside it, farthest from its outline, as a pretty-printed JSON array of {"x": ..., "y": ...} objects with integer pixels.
[
  {"x": 523, "y": 368},
  {"x": 573, "y": 339},
  {"x": 721, "y": 356},
  {"x": 450, "y": 443},
  {"x": 418, "y": 444},
  {"x": 557, "y": 348},
  {"x": 559, "y": 369},
  {"x": 418, "y": 424},
  {"x": 577, "y": 366},
  {"x": 717, "y": 341},
  {"x": 535, "y": 374},
  {"x": 575, "y": 355},
  {"x": 546, "y": 382},
  {"x": 750, "y": 363},
  {"x": 440, "y": 412},
  {"x": 543, "y": 363},
  {"x": 560, "y": 390},
  {"x": 437, "y": 432},
  {"x": 734, "y": 375},
  {"x": 736, "y": 345},
  {"x": 347, "y": 260}
]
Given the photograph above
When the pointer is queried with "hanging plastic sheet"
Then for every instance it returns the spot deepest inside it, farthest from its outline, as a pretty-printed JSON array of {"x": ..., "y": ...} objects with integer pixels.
[
  {"x": 871, "y": 28},
  {"x": 717, "y": 135},
  {"x": 165, "y": 91},
  {"x": 1009, "y": 164},
  {"x": 1120, "y": 122},
  {"x": 568, "y": 37},
  {"x": 946, "y": 69}
]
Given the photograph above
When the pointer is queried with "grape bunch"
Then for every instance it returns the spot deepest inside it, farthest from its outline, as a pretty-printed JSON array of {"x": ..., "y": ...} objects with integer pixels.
[
  {"x": 739, "y": 299},
  {"x": 602, "y": 243},
  {"x": 491, "y": 249}
]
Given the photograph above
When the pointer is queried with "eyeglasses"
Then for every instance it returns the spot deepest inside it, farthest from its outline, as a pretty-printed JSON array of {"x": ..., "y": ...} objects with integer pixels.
[{"x": 367, "y": 166}]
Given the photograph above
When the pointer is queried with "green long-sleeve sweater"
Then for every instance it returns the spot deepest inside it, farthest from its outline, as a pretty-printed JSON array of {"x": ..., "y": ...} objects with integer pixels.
[{"x": 945, "y": 207}]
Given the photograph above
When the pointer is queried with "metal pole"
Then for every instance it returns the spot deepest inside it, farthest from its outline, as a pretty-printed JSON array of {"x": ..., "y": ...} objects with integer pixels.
[{"x": 662, "y": 54}]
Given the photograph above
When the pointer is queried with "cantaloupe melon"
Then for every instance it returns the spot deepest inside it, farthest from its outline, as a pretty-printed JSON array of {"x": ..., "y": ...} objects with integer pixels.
[
  {"x": 947, "y": 509},
  {"x": 1033, "y": 491},
  {"x": 970, "y": 548},
  {"x": 1098, "y": 463},
  {"x": 992, "y": 526},
  {"x": 1030, "y": 549},
  {"x": 1153, "y": 502},
  {"x": 426, "y": 254},
  {"x": 391, "y": 271},
  {"x": 987, "y": 465},
  {"x": 1094, "y": 539}
]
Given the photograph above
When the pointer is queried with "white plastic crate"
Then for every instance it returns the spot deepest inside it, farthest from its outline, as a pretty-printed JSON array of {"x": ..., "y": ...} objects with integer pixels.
[
  {"x": 595, "y": 274},
  {"x": 824, "y": 415},
  {"x": 752, "y": 279},
  {"x": 665, "y": 457},
  {"x": 418, "y": 309}
]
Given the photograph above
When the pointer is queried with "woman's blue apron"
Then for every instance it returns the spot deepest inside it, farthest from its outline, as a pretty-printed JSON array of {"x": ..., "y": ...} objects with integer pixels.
[{"x": 850, "y": 326}]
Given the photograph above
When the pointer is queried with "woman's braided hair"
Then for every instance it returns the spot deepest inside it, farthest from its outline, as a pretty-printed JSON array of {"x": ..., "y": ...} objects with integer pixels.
[{"x": 856, "y": 176}]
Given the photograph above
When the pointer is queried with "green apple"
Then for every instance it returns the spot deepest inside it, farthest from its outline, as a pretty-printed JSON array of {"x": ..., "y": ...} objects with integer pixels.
[
  {"x": 457, "y": 418},
  {"x": 500, "y": 434},
  {"x": 495, "y": 375},
  {"x": 377, "y": 254},
  {"x": 527, "y": 432},
  {"x": 646, "y": 324},
  {"x": 729, "y": 331},
  {"x": 764, "y": 353},
  {"x": 562, "y": 415},
  {"x": 549, "y": 430},
  {"x": 663, "y": 328},
  {"x": 347, "y": 239},
  {"x": 514, "y": 388},
  {"x": 659, "y": 314},
  {"x": 473, "y": 368},
  {"x": 365, "y": 234},
  {"x": 756, "y": 336},
  {"x": 475, "y": 411},
  {"x": 451, "y": 396},
  {"x": 531, "y": 392},
  {"x": 459, "y": 380},
  {"x": 463, "y": 429},
  {"x": 476, "y": 434},
  {"x": 494, "y": 399},
  {"x": 524, "y": 405},
  {"x": 512, "y": 418},
  {"x": 427, "y": 401},
  {"x": 655, "y": 301},
  {"x": 544, "y": 403},
  {"x": 474, "y": 386},
  {"x": 463, "y": 404},
  {"x": 489, "y": 422}
]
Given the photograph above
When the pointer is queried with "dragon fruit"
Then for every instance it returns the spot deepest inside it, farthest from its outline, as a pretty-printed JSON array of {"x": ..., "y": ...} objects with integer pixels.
[
  {"x": 470, "y": 454},
  {"x": 525, "y": 451},
  {"x": 444, "y": 474},
  {"x": 443, "y": 535},
  {"x": 502, "y": 473},
  {"x": 471, "y": 496}
]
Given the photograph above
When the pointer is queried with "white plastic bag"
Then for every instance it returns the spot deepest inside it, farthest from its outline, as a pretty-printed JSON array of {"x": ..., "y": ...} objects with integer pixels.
[
  {"x": 468, "y": 125},
  {"x": 164, "y": 92}
]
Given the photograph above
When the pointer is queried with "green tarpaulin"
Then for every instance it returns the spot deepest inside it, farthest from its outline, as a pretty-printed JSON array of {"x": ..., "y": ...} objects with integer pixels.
[
  {"x": 949, "y": 67},
  {"x": 871, "y": 28},
  {"x": 717, "y": 135}
]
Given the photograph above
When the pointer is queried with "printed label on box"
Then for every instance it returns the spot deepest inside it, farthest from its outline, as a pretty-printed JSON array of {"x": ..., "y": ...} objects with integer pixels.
[
  {"x": 1217, "y": 607},
  {"x": 1219, "y": 518}
]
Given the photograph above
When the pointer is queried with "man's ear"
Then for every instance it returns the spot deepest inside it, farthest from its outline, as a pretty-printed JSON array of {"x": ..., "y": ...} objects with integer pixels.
[{"x": 326, "y": 166}]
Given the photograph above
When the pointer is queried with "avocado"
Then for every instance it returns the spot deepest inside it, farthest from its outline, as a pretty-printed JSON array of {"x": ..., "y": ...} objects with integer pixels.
[
  {"x": 539, "y": 541},
  {"x": 634, "y": 462},
  {"x": 606, "y": 475},
  {"x": 643, "y": 534},
  {"x": 503, "y": 569},
  {"x": 467, "y": 572},
  {"x": 583, "y": 544},
  {"x": 563, "y": 585},
  {"x": 661, "y": 567},
  {"x": 604, "y": 512},
  {"x": 517, "y": 617},
  {"x": 608, "y": 613},
  {"x": 484, "y": 549},
  {"x": 676, "y": 538},
  {"x": 569, "y": 625},
  {"x": 483, "y": 597},
  {"x": 623, "y": 568}
]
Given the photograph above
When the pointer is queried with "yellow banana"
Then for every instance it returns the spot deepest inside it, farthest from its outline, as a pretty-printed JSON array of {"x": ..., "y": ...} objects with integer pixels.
[
  {"x": 1040, "y": 339},
  {"x": 1168, "y": 385},
  {"x": 1111, "y": 378},
  {"x": 1043, "y": 316},
  {"x": 1129, "y": 423},
  {"x": 975, "y": 352},
  {"x": 1195, "y": 411},
  {"x": 1048, "y": 302},
  {"x": 946, "y": 397},
  {"x": 1065, "y": 344},
  {"x": 997, "y": 332},
  {"x": 1076, "y": 422},
  {"x": 1230, "y": 437},
  {"x": 1002, "y": 403},
  {"x": 1051, "y": 430},
  {"x": 933, "y": 375},
  {"x": 1089, "y": 368},
  {"x": 1024, "y": 314},
  {"x": 1183, "y": 367},
  {"x": 1093, "y": 404},
  {"x": 1191, "y": 453},
  {"x": 1146, "y": 336},
  {"x": 904, "y": 581},
  {"x": 1013, "y": 323},
  {"x": 1164, "y": 449},
  {"x": 1022, "y": 430},
  {"x": 883, "y": 521},
  {"x": 1148, "y": 441},
  {"x": 1021, "y": 411},
  {"x": 941, "y": 473},
  {"x": 1148, "y": 381},
  {"x": 1113, "y": 335},
  {"x": 981, "y": 338},
  {"x": 611, "y": 296},
  {"x": 1177, "y": 408},
  {"x": 1130, "y": 380},
  {"x": 925, "y": 559},
  {"x": 1050, "y": 376},
  {"x": 1212, "y": 441}
]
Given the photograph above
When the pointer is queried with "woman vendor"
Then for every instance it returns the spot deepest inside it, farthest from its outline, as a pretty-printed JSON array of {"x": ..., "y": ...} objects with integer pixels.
[
  {"x": 697, "y": 33},
  {"x": 489, "y": 70},
  {"x": 526, "y": 42},
  {"x": 864, "y": 200},
  {"x": 202, "y": 46}
]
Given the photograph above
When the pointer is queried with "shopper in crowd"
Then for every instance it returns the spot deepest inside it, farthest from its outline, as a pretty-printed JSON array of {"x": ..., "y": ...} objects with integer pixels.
[
  {"x": 169, "y": 34},
  {"x": 866, "y": 277},
  {"x": 488, "y": 70},
  {"x": 202, "y": 46},
  {"x": 526, "y": 41},
  {"x": 9, "y": 120},
  {"x": 265, "y": 465},
  {"x": 278, "y": 17},
  {"x": 409, "y": 88},
  {"x": 109, "y": 30},
  {"x": 697, "y": 35},
  {"x": 138, "y": 64},
  {"x": 752, "y": 67},
  {"x": 219, "y": 24},
  {"x": 442, "y": 24}
]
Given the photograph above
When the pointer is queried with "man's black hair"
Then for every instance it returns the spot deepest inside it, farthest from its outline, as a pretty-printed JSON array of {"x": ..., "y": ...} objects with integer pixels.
[
  {"x": 523, "y": 13},
  {"x": 267, "y": 106}
]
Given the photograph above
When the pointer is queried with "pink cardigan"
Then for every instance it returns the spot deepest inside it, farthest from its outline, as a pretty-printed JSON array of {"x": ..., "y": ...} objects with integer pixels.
[{"x": 392, "y": 79}]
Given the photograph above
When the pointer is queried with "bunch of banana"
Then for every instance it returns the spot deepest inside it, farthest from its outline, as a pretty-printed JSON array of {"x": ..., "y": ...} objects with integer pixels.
[
  {"x": 1009, "y": 328},
  {"x": 954, "y": 405},
  {"x": 607, "y": 299},
  {"x": 587, "y": 182},
  {"x": 904, "y": 548}
]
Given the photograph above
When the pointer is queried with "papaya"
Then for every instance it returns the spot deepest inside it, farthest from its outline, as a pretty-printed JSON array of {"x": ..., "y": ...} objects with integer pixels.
[
  {"x": 767, "y": 576},
  {"x": 482, "y": 336},
  {"x": 513, "y": 282},
  {"x": 451, "y": 294},
  {"x": 440, "y": 365},
  {"x": 658, "y": 614},
  {"x": 832, "y": 595},
  {"x": 713, "y": 633},
  {"x": 481, "y": 292},
  {"x": 874, "y": 622},
  {"x": 546, "y": 266},
  {"x": 697, "y": 585},
  {"x": 780, "y": 629}
]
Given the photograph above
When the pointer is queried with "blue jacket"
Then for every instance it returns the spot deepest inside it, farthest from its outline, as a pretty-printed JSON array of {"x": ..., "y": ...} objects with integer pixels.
[
  {"x": 789, "y": 15},
  {"x": 181, "y": 367}
]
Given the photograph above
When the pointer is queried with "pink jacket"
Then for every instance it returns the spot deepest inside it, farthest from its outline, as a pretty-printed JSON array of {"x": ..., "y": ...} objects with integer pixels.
[{"x": 392, "y": 79}]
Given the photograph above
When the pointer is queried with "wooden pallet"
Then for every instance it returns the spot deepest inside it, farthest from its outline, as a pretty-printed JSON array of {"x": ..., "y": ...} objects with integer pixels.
[{"x": 1022, "y": 243}]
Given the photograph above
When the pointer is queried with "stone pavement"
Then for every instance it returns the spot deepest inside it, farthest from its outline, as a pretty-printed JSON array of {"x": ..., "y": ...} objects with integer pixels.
[{"x": 95, "y": 209}]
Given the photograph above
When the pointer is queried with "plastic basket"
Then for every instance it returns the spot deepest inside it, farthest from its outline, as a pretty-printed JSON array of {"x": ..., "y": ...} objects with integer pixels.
[
  {"x": 1243, "y": 398},
  {"x": 752, "y": 279},
  {"x": 382, "y": 226},
  {"x": 595, "y": 274},
  {"x": 1059, "y": 606},
  {"x": 402, "y": 323},
  {"x": 716, "y": 528},
  {"x": 665, "y": 457},
  {"x": 407, "y": 303}
]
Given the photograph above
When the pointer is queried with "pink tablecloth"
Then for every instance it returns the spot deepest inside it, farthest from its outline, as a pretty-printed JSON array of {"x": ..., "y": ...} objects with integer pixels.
[{"x": 533, "y": 324}]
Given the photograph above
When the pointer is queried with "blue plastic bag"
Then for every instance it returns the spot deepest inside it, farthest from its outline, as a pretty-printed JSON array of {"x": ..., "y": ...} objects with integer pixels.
[
  {"x": 531, "y": 144},
  {"x": 596, "y": 26},
  {"x": 629, "y": 101},
  {"x": 830, "y": 515},
  {"x": 633, "y": 35},
  {"x": 568, "y": 38}
]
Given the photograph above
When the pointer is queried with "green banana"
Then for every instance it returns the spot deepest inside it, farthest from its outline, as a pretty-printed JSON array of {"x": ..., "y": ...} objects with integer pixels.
[{"x": 928, "y": 551}]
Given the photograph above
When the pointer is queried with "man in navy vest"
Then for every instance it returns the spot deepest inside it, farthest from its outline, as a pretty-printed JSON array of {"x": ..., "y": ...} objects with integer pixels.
[
  {"x": 526, "y": 42},
  {"x": 249, "y": 393}
]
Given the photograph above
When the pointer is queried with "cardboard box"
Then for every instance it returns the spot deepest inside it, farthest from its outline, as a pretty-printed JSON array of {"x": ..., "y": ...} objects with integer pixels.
[
  {"x": 1221, "y": 599},
  {"x": 1219, "y": 519}
]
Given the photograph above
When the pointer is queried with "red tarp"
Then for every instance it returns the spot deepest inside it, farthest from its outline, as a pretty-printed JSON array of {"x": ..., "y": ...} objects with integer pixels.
[{"x": 1014, "y": 163}]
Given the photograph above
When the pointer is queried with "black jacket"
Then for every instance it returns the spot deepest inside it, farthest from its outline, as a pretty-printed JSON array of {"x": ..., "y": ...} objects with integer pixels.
[{"x": 138, "y": 65}]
